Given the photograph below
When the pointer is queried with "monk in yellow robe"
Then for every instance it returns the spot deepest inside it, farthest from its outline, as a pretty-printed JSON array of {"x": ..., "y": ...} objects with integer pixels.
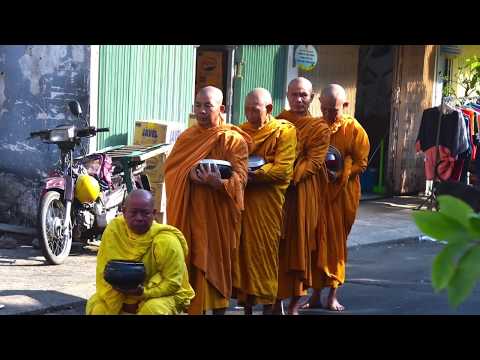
[
  {"x": 256, "y": 270},
  {"x": 136, "y": 236},
  {"x": 205, "y": 207},
  {"x": 338, "y": 210},
  {"x": 302, "y": 197}
]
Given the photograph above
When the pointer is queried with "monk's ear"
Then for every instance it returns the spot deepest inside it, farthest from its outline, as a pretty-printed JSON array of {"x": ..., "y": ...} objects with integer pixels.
[
  {"x": 222, "y": 109},
  {"x": 345, "y": 104},
  {"x": 312, "y": 96},
  {"x": 269, "y": 108}
]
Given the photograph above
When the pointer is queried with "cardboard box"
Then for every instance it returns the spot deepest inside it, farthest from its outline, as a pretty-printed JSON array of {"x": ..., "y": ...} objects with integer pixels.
[
  {"x": 155, "y": 132},
  {"x": 155, "y": 169},
  {"x": 159, "y": 196}
]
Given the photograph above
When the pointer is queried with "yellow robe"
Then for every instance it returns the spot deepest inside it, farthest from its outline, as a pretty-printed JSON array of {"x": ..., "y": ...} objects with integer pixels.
[
  {"x": 256, "y": 266},
  {"x": 163, "y": 250},
  {"x": 209, "y": 218},
  {"x": 338, "y": 210},
  {"x": 302, "y": 206}
]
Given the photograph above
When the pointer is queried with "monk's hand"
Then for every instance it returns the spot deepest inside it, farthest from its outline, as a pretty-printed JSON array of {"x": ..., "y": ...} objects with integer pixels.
[
  {"x": 210, "y": 176},
  {"x": 194, "y": 175},
  {"x": 138, "y": 291},
  {"x": 332, "y": 176},
  {"x": 130, "y": 308}
]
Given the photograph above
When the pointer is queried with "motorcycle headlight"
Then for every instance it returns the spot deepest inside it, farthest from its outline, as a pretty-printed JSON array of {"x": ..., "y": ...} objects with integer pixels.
[{"x": 58, "y": 135}]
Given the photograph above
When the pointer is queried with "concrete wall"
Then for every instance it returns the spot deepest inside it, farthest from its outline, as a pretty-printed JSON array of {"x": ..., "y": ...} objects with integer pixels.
[{"x": 36, "y": 81}]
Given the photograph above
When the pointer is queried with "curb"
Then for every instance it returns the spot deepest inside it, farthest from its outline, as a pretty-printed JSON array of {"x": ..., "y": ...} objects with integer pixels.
[
  {"x": 406, "y": 240},
  {"x": 53, "y": 308}
]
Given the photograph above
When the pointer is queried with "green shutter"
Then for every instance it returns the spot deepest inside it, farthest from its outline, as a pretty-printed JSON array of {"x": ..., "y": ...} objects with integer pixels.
[
  {"x": 143, "y": 82},
  {"x": 261, "y": 66}
]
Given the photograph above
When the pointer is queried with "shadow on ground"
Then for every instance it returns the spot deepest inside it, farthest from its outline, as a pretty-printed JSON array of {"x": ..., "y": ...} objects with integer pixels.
[{"x": 31, "y": 302}]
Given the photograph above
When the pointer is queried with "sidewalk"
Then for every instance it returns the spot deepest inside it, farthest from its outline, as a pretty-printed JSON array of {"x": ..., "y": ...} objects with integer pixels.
[{"x": 29, "y": 286}]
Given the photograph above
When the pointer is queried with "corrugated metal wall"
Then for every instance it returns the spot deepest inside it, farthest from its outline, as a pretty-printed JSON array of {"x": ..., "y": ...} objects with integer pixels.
[
  {"x": 143, "y": 82},
  {"x": 263, "y": 66}
]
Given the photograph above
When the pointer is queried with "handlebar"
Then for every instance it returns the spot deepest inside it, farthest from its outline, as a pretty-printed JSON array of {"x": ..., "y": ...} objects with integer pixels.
[
  {"x": 39, "y": 133},
  {"x": 79, "y": 132}
]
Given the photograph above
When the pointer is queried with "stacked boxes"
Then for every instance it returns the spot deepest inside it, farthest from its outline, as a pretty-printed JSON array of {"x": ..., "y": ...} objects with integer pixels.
[{"x": 152, "y": 133}]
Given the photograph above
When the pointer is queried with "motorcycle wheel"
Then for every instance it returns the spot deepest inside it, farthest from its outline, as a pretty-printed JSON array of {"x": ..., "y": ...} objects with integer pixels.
[{"x": 52, "y": 212}]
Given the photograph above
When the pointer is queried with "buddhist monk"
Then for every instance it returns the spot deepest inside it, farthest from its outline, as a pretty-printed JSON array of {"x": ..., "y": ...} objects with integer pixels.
[
  {"x": 302, "y": 197},
  {"x": 342, "y": 198},
  {"x": 256, "y": 280},
  {"x": 136, "y": 236},
  {"x": 205, "y": 207}
]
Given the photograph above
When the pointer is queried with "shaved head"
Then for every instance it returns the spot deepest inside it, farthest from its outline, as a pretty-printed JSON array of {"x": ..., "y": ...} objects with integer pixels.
[
  {"x": 208, "y": 107},
  {"x": 334, "y": 91},
  {"x": 303, "y": 82},
  {"x": 139, "y": 211},
  {"x": 300, "y": 95},
  {"x": 260, "y": 94},
  {"x": 140, "y": 195},
  {"x": 258, "y": 107},
  {"x": 213, "y": 93},
  {"x": 333, "y": 100}
]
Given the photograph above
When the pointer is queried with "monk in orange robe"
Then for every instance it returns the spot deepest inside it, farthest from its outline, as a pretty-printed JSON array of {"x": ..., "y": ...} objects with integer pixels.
[
  {"x": 256, "y": 270},
  {"x": 302, "y": 198},
  {"x": 205, "y": 207},
  {"x": 342, "y": 198}
]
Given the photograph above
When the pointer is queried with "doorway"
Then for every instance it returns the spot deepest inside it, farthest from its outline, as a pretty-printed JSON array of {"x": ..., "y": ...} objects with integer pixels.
[
  {"x": 373, "y": 107},
  {"x": 214, "y": 67}
]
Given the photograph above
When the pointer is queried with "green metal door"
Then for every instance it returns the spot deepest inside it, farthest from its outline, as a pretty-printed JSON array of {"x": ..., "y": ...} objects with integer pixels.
[
  {"x": 259, "y": 66},
  {"x": 143, "y": 82}
]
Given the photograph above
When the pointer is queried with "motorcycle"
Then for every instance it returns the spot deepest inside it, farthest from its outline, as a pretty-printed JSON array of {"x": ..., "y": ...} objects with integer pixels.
[{"x": 82, "y": 196}]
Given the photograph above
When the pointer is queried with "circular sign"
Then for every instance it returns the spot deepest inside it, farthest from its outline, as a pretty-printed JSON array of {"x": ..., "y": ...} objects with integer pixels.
[{"x": 306, "y": 57}]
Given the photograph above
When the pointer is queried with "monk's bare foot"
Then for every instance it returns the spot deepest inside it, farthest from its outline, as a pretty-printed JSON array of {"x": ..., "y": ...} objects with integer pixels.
[
  {"x": 294, "y": 306},
  {"x": 313, "y": 305},
  {"x": 314, "y": 301},
  {"x": 334, "y": 305}
]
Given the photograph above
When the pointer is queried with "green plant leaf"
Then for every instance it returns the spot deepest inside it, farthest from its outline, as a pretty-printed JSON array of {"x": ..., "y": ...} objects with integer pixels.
[
  {"x": 455, "y": 209},
  {"x": 444, "y": 265},
  {"x": 466, "y": 275},
  {"x": 474, "y": 228},
  {"x": 440, "y": 227}
]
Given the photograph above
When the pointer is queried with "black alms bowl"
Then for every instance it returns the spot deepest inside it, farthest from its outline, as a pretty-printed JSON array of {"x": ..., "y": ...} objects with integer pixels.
[
  {"x": 224, "y": 167},
  {"x": 255, "y": 162},
  {"x": 334, "y": 159},
  {"x": 124, "y": 274}
]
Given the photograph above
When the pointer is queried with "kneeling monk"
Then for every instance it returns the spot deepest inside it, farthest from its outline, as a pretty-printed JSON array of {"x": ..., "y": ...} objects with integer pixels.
[{"x": 135, "y": 236}]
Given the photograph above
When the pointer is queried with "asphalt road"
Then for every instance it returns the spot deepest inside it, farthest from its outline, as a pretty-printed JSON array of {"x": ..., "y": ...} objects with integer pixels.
[{"x": 383, "y": 279}]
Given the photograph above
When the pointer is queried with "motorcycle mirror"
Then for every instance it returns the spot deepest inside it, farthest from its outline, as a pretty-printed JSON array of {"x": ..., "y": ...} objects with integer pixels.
[{"x": 75, "y": 108}]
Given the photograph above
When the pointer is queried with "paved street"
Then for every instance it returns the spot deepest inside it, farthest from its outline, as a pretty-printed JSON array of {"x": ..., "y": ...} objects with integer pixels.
[
  {"x": 384, "y": 279},
  {"x": 388, "y": 271}
]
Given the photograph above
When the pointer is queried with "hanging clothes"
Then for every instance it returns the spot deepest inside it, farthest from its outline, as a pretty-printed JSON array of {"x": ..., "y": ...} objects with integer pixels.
[{"x": 451, "y": 135}]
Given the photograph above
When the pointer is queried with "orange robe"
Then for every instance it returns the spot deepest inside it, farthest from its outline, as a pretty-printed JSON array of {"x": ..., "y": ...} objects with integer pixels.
[
  {"x": 302, "y": 206},
  {"x": 339, "y": 208},
  {"x": 209, "y": 218},
  {"x": 256, "y": 270}
]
